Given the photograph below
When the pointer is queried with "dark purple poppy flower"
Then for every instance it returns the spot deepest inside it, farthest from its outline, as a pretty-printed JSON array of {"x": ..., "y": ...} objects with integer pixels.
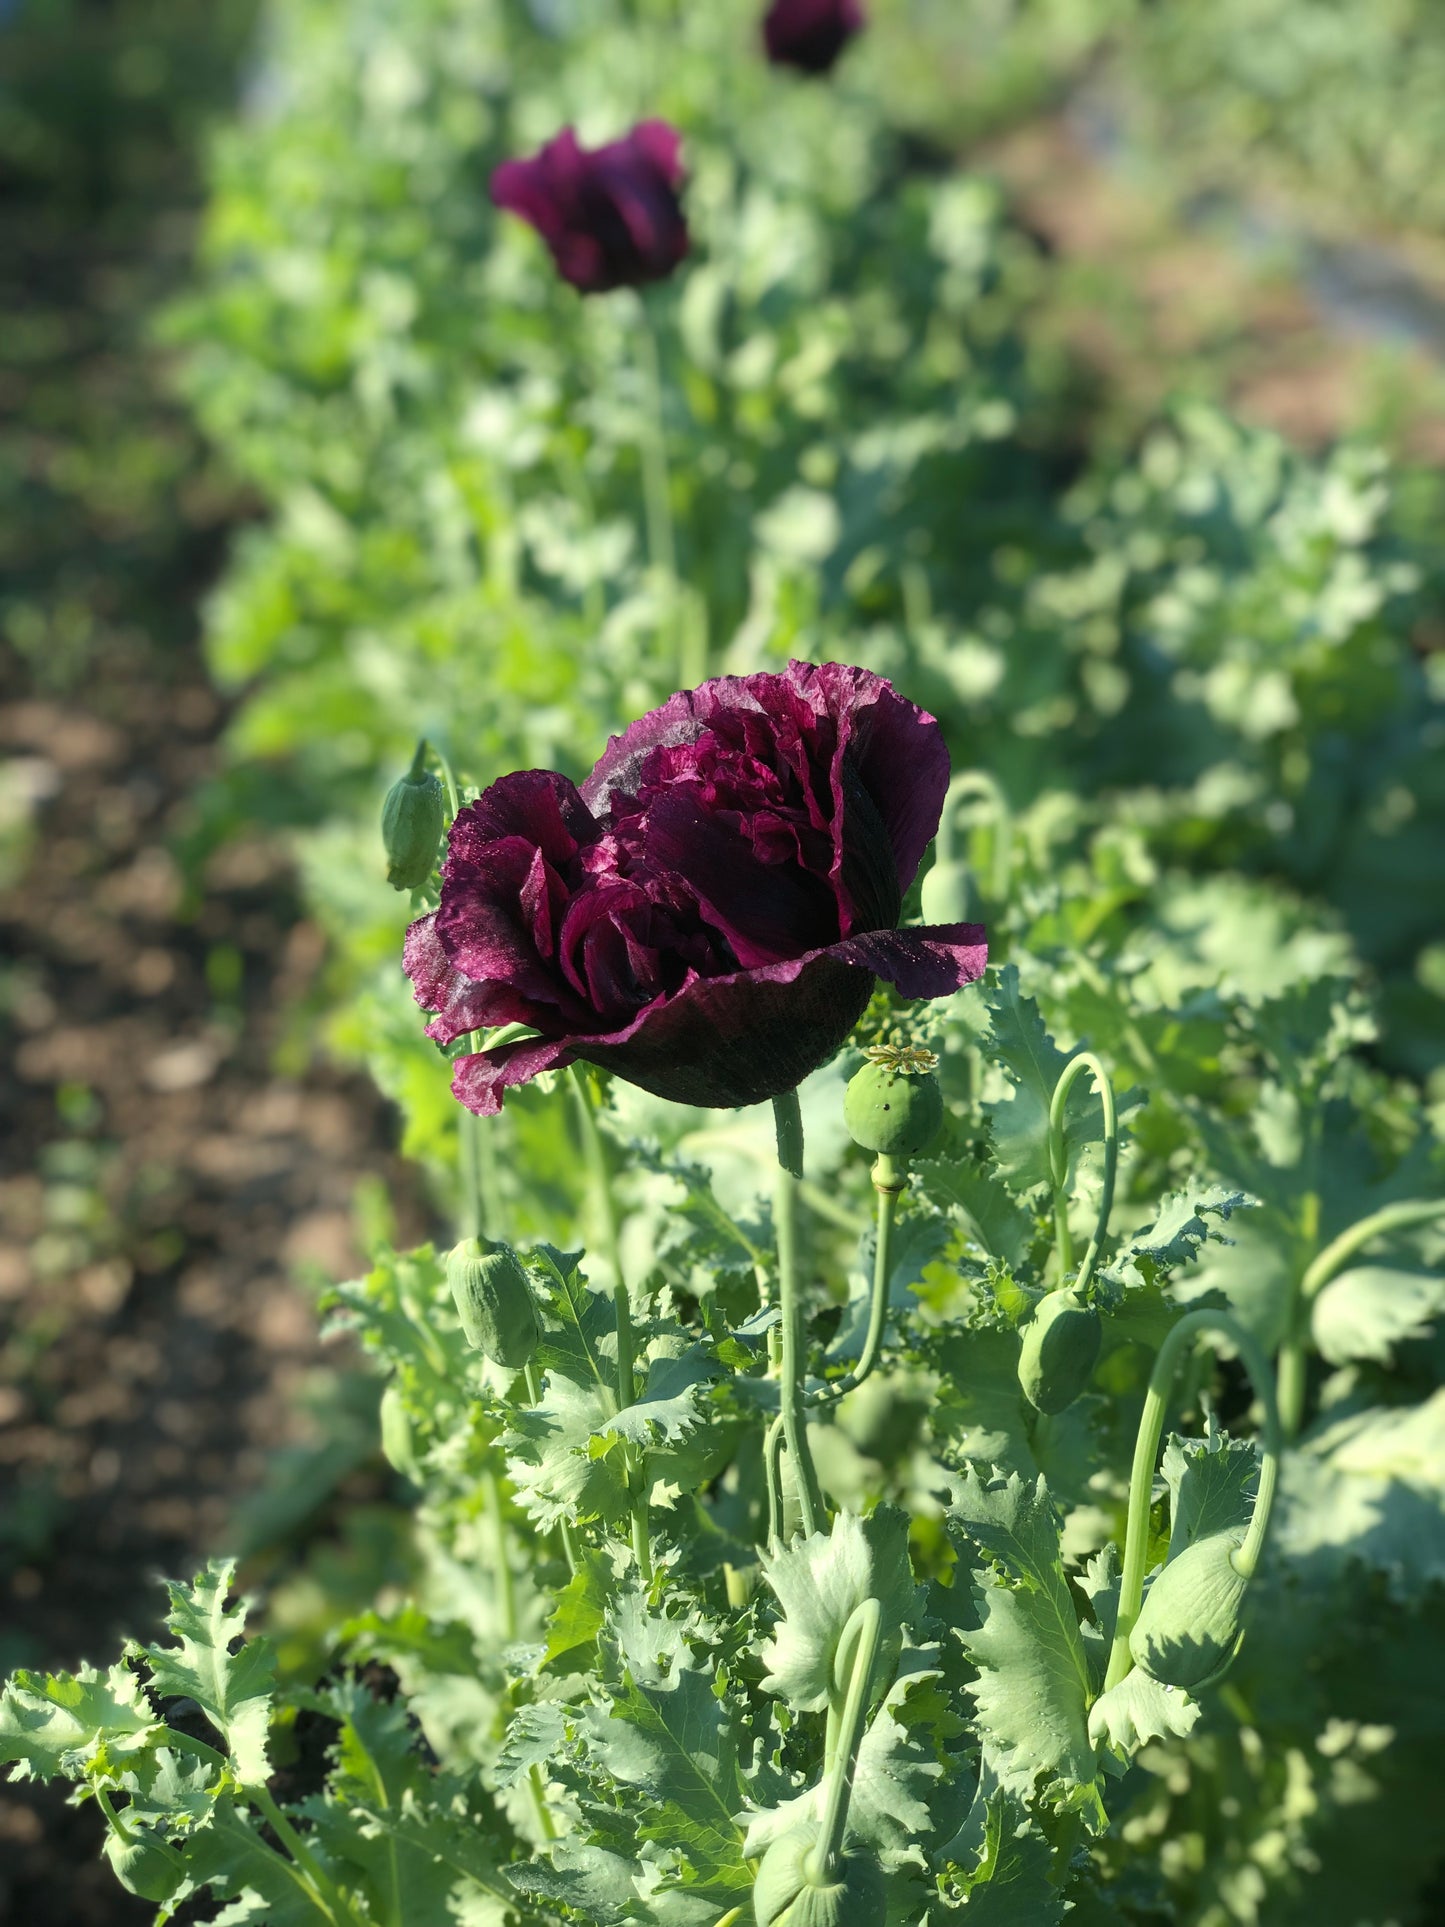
[
  {"x": 707, "y": 913},
  {"x": 811, "y": 33},
  {"x": 610, "y": 215}
]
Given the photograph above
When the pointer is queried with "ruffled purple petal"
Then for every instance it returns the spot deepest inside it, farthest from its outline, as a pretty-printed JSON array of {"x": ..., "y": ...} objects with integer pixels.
[
  {"x": 721, "y": 1042},
  {"x": 479, "y": 1079},
  {"x": 460, "y": 1004},
  {"x": 931, "y": 961}
]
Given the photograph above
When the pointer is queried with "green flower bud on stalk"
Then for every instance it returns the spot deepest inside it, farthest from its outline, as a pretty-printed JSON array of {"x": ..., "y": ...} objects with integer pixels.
[
  {"x": 143, "y": 1867},
  {"x": 494, "y": 1301},
  {"x": 1060, "y": 1350},
  {"x": 412, "y": 820},
  {"x": 787, "y": 1892},
  {"x": 949, "y": 894},
  {"x": 398, "y": 1442},
  {"x": 1189, "y": 1628},
  {"x": 894, "y": 1112}
]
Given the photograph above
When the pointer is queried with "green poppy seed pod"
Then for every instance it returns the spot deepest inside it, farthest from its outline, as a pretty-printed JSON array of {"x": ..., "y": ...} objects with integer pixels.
[
  {"x": 142, "y": 1867},
  {"x": 785, "y": 1893},
  {"x": 948, "y": 894},
  {"x": 398, "y": 1442},
  {"x": 1060, "y": 1350},
  {"x": 893, "y": 1112},
  {"x": 494, "y": 1301},
  {"x": 412, "y": 820},
  {"x": 1189, "y": 1628}
]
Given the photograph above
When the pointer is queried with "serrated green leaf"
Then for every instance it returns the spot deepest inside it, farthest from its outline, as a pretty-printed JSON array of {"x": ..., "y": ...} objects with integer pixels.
[
  {"x": 579, "y": 1338},
  {"x": 1367, "y": 1311},
  {"x": 989, "y": 1213},
  {"x": 676, "y": 1744},
  {"x": 1211, "y": 1483},
  {"x": 591, "y": 1882},
  {"x": 1020, "y": 1042},
  {"x": 1031, "y": 1696},
  {"x": 893, "y": 1781},
  {"x": 58, "y": 1722},
  {"x": 819, "y": 1583},
  {"x": 1176, "y": 1235},
  {"x": 579, "y": 1609},
  {"x": 1008, "y": 1885},
  {"x": 1138, "y": 1710},
  {"x": 231, "y": 1856},
  {"x": 232, "y": 1690},
  {"x": 1368, "y": 1488}
]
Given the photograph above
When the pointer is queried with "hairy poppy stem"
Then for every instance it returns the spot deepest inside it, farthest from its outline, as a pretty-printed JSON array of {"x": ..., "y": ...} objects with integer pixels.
[
  {"x": 788, "y": 1117},
  {"x": 1146, "y": 1451},
  {"x": 595, "y": 1152}
]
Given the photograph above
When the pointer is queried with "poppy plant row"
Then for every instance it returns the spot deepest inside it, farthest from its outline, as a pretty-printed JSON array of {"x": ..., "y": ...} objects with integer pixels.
[{"x": 613, "y": 216}]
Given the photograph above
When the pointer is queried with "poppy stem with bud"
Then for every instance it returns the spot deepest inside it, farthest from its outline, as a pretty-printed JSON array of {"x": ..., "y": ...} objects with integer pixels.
[
  {"x": 788, "y": 1117},
  {"x": 1146, "y": 1451},
  {"x": 605, "y": 1207}
]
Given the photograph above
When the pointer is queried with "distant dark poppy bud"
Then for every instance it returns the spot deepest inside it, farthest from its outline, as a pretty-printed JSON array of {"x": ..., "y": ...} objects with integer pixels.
[
  {"x": 143, "y": 1867},
  {"x": 811, "y": 33},
  {"x": 948, "y": 894},
  {"x": 706, "y": 915},
  {"x": 494, "y": 1301},
  {"x": 890, "y": 1111},
  {"x": 1060, "y": 1350},
  {"x": 1190, "y": 1626},
  {"x": 612, "y": 216},
  {"x": 412, "y": 820},
  {"x": 786, "y": 1894}
]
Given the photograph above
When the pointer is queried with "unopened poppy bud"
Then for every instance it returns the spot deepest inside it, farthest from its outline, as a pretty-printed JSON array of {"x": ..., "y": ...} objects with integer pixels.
[
  {"x": 412, "y": 820},
  {"x": 895, "y": 1112},
  {"x": 494, "y": 1301},
  {"x": 1060, "y": 1351},
  {"x": 1190, "y": 1625},
  {"x": 948, "y": 894},
  {"x": 787, "y": 1893},
  {"x": 143, "y": 1867}
]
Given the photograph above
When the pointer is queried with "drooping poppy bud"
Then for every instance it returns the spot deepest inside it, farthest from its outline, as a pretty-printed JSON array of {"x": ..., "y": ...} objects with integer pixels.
[
  {"x": 494, "y": 1301},
  {"x": 412, "y": 820},
  {"x": 787, "y": 1894},
  {"x": 896, "y": 1113},
  {"x": 1060, "y": 1350},
  {"x": 1190, "y": 1626},
  {"x": 612, "y": 215},
  {"x": 707, "y": 914},
  {"x": 811, "y": 34},
  {"x": 143, "y": 1867}
]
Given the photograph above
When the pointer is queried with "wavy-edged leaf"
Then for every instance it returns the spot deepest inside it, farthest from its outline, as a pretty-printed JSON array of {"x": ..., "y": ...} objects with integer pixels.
[
  {"x": 1367, "y": 1311},
  {"x": 1031, "y": 1695},
  {"x": 819, "y": 1583},
  {"x": 58, "y": 1722},
  {"x": 233, "y": 1690}
]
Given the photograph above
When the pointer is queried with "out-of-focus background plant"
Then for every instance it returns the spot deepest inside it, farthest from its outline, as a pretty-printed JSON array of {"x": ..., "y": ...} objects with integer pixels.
[{"x": 1077, "y": 364}]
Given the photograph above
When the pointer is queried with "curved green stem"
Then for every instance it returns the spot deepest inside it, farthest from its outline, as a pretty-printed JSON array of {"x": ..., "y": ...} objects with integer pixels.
[
  {"x": 789, "y": 1121},
  {"x": 857, "y": 1655},
  {"x": 332, "y": 1901},
  {"x": 978, "y": 782},
  {"x": 1059, "y": 1167},
  {"x": 889, "y": 1185},
  {"x": 1327, "y": 1264},
  {"x": 1146, "y": 1452}
]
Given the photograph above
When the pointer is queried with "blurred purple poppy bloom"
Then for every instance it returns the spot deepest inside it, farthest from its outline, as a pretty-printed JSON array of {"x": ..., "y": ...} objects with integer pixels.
[
  {"x": 611, "y": 215},
  {"x": 811, "y": 33},
  {"x": 707, "y": 914}
]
